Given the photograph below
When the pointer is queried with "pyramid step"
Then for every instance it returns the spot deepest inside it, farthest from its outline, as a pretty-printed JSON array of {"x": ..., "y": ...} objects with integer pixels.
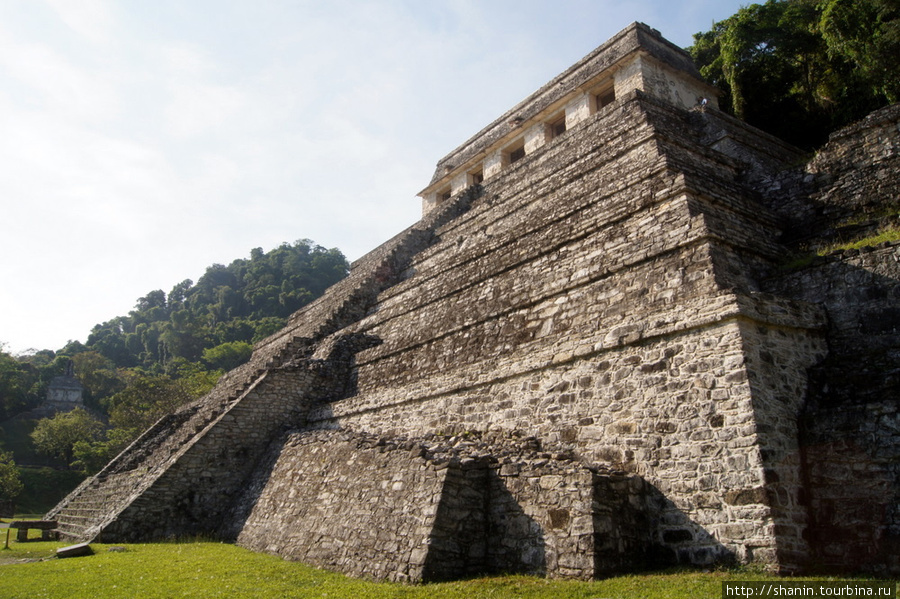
[
  {"x": 71, "y": 531},
  {"x": 76, "y": 518},
  {"x": 76, "y": 511}
]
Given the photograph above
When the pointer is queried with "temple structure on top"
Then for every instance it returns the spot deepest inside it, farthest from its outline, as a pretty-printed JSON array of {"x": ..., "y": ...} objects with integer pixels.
[{"x": 637, "y": 58}]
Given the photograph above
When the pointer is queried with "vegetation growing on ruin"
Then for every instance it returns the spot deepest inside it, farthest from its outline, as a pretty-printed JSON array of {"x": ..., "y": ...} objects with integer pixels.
[
  {"x": 886, "y": 235},
  {"x": 800, "y": 260}
]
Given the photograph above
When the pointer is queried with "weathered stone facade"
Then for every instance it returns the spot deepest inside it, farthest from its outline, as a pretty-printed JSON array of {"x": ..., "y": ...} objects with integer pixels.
[
  {"x": 64, "y": 394},
  {"x": 586, "y": 358},
  {"x": 310, "y": 502}
]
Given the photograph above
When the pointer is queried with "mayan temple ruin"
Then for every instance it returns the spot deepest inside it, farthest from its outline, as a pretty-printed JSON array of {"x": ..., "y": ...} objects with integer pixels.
[{"x": 591, "y": 355}]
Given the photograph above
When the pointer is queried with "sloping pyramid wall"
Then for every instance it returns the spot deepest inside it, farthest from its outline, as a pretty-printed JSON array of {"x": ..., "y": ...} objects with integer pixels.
[
  {"x": 601, "y": 294},
  {"x": 599, "y": 301},
  {"x": 425, "y": 509},
  {"x": 591, "y": 296}
]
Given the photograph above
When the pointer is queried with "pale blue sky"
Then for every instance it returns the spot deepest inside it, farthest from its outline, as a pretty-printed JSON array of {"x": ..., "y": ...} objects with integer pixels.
[{"x": 143, "y": 141}]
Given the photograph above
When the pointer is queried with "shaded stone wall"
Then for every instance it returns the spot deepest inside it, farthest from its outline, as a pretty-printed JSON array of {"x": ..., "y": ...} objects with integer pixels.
[
  {"x": 437, "y": 508},
  {"x": 777, "y": 361},
  {"x": 848, "y": 431},
  {"x": 540, "y": 519},
  {"x": 853, "y": 475},
  {"x": 848, "y": 189},
  {"x": 859, "y": 290}
]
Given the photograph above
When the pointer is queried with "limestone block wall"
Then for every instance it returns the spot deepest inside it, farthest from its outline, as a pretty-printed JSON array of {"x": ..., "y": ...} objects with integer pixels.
[
  {"x": 552, "y": 516},
  {"x": 321, "y": 510},
  {"x": 200, "y": 483},
  {"x": 540, "y": 518},
  {"x": 437, "y": 508},
  {"x": 652, "y": 75},
  {"x": 848, "y": 429},
  {"x": 629, "y": 517},
  {"x": 852, "y": 465},
  {"x": 848, "y": 189},
  {"x": 676, "y": 410},
  {"x": 778, "y": 359},
  {"x": 855, "y": 171},
  {"x": 858, "y": 289},
  {"x": 758, "y": 159},
  {"x": 595, "y": 296}
]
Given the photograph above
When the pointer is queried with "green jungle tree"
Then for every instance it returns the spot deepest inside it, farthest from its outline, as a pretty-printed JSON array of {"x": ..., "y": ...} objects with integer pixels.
[
  {"x": 57, "y": 436},
  {"x": 10, "y": 483},
  {"x": 801, "y": 68}
]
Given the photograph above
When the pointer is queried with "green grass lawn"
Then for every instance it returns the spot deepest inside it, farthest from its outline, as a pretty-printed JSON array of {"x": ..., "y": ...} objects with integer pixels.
[{"x": 208, "y": 569}]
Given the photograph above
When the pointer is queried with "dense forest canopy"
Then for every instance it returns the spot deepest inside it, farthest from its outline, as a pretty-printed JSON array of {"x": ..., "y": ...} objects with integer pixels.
[
  {"x": 236, "y": 304},
  {"x": 800, "y": 69},
  {"x": 170, "y": 349}
]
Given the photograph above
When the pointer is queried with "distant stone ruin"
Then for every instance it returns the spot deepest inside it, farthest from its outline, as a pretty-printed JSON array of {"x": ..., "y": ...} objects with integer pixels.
[
  {"x": 64, "y": 394},
  {"x": 592, "y": 355}
]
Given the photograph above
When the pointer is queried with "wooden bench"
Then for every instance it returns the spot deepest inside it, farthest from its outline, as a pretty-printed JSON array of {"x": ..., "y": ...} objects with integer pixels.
[{"x": 47, "y": 528}]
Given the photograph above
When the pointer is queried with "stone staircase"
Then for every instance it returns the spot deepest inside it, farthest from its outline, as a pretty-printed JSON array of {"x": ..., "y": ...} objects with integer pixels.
[
  {"x": 85, "y": 512},
  {"x": 84, "y": 516}
]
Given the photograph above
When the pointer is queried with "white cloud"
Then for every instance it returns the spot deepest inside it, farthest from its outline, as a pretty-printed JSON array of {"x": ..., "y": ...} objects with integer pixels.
[
  {"x": 90, "y": 19},
  {"x": 40, "y": 77},
  {"x": 196, "y": 108}
]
